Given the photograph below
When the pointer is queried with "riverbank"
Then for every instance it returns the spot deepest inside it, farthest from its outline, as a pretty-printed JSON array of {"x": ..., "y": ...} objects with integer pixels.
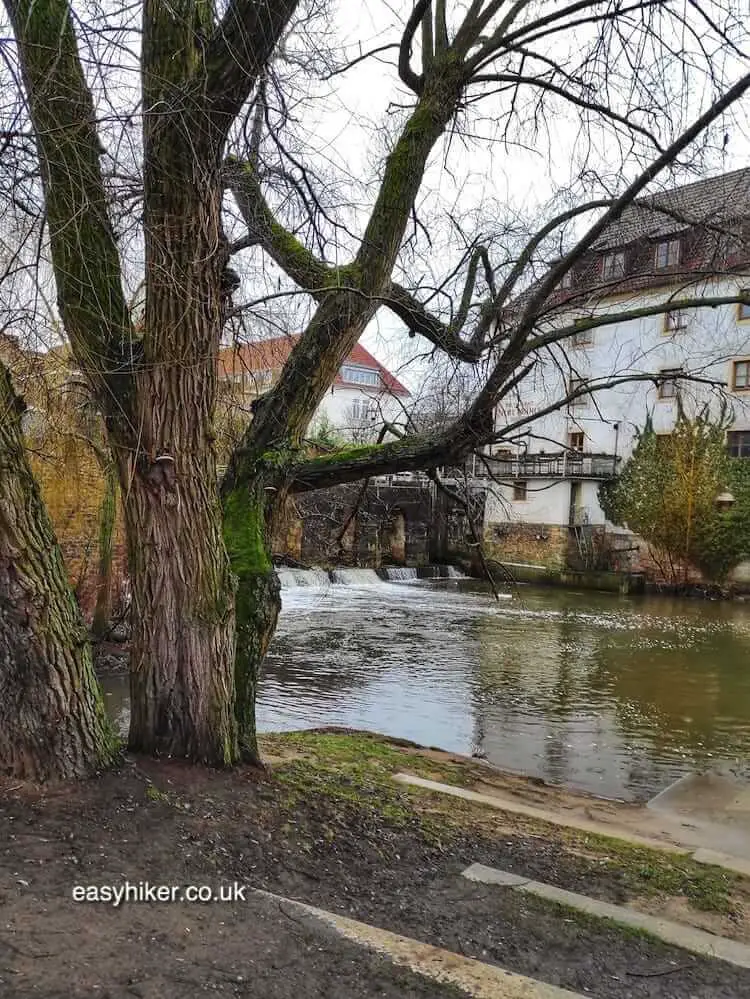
[{"x": 327, "y": 824}]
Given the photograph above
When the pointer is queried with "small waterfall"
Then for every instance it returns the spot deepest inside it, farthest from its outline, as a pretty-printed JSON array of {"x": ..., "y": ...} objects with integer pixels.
[
  {"x": 354, "y": 577},
  {"x": 292, "y": 578},
  {"x": 286, "y": 578},
  {"x": 311, "y": 577},
  {"x": 399, "y": 573}
]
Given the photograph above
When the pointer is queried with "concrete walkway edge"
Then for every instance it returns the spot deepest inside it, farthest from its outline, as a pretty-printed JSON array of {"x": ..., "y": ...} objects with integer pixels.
[
  {"x": 696, "y": 941},
  {"x": 477, "y": 979},
  {"x": 737, "y": 865}
]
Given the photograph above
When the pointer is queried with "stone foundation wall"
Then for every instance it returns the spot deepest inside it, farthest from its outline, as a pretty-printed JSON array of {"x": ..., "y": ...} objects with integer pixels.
[
  {"x": 72, "y": 486},
  {"x": 533, "y": 544},
  {"x": 386, "y": 525}
]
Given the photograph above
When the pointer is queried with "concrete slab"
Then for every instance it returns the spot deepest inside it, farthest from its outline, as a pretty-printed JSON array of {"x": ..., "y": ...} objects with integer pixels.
[
  {"x": 718, "y": 807},
  {"x": 477, "y": 979},
  {"x": 712, "y": 797},
  {"x": 695, "y": 941},
  {"x": 506, "y": 804},
  {"x": 706, "y": 843}
]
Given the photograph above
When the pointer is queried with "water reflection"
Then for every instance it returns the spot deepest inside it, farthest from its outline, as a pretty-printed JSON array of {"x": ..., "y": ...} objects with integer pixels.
[{"x": 615, "y": 695}]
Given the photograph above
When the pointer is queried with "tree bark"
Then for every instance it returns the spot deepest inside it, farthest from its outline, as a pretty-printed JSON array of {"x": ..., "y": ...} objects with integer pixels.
[
  {"x": 182, "y": 684},
  {"x": 107, "y": 521},
  {"x": 53, "y": 725}
]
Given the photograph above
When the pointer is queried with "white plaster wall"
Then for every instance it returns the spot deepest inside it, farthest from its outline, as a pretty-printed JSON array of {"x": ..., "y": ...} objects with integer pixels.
[
  {"x": 337, "y": 405},
  {"x": 547, "y": 502},
  {"x": 609, "y": 419}
]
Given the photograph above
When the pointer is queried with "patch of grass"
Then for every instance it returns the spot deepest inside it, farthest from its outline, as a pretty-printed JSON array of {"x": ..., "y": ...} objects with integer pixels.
[
  {"x": 651, "y": 872},
  {"x": 357, "y": 750},
  {"x": 596, "y": 923},
  {"x": 154, "y": 794}
]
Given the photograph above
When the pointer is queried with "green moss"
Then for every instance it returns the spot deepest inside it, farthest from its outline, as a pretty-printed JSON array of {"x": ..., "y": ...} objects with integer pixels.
[
  {"x": 349, "y": 454},
  {"x": 244, "y": 532},
  {"x": 154, "y": 794},
  {"x": 651, "y": 872}
]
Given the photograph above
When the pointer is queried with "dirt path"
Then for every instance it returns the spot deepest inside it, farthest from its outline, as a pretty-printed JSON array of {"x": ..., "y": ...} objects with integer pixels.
[{"x": 339, "y": 839}]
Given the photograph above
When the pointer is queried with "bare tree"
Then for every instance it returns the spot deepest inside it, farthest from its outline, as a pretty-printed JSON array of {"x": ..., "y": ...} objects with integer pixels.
[{"x": 201, "y": 628}]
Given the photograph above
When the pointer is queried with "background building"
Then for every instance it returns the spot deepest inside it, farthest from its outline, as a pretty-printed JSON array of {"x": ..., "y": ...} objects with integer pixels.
[
  {"x": 364, "y": 395},
  {"x": 692, "y": 242}
]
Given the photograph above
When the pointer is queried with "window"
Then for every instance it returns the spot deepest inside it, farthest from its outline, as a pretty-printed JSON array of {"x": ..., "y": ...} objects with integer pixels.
[
  {"x": 576, "y": 440},
  {"x": 740, "y": 376},
  {"x": 566, "y": 281},
  {"x": 743, "y": 310},
  {"x": 262, "y": 377},
  {"x": 360, "y": 376},
  {"x": 581, "y": 337},
  {"x": 667, "y": 254},
  {"x": 674, "y": 321},
  {"x": 574, "y": 385},
  {"x": 520, "y": 491},
  {"x": 668, "y": 382},
  {"x": 738, "y": 443},
  {"x": 364, "y": 410},
  {"x": 613, "y": 266}
]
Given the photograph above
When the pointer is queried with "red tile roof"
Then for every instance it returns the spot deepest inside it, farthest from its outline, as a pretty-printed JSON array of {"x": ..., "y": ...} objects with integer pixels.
[{"x": 272, "y": 354}]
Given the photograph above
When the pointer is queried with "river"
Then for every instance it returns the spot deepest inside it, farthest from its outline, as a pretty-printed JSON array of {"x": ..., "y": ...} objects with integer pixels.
[{"x": 613, "y": 695}]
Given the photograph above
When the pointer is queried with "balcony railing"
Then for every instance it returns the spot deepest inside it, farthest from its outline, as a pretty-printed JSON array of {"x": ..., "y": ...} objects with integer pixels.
[{"x": 568, "y": 465}]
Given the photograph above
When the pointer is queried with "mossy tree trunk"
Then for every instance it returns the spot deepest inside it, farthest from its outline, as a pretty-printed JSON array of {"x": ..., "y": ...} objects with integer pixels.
[
  {"x": 53, "y": 724},
  {"x": 248, "y": 526},
  {"x": 182, "y": 645}
]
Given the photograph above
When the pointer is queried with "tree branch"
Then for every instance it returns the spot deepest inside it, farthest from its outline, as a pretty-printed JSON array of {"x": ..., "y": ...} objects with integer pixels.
[
  {"x": 238, "y": 52},
  {"x": 92, "y": 305},
  {"x": 414, "y": 81}
]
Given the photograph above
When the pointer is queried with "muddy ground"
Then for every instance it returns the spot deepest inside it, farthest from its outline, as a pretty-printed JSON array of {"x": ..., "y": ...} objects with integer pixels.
[{"x": 338, "y": 840}]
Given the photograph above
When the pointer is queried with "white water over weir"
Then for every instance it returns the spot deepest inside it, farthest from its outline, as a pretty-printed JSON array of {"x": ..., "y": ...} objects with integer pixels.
[{"x": 293, "y": 578}]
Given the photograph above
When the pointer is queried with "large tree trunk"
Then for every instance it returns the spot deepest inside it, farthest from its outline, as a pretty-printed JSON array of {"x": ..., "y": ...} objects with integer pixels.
[
  {"x": 182, "y": 651},
  {"x": 182, "y": 656},
  {"x": 52, "y": 719}
]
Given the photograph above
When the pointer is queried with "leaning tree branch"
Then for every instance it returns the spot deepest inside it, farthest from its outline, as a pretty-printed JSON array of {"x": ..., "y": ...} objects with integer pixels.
[
  {"x": 239, "y": 51},
  {"x": 539, "y": 83}
]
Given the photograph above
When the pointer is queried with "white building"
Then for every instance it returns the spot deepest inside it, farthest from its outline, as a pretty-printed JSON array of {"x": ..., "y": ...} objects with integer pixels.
[
  {"x": 363, "y": 397},
  {"x": 688, "y": 243}
]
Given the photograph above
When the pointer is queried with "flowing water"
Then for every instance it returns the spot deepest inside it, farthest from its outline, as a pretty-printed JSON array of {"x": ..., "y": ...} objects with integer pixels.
[{"x": 617, "y": 696}]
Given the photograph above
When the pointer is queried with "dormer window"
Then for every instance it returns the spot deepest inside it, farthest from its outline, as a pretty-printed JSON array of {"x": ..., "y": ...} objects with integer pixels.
[
  {"x": 566, "y": 281},
  {"x": 667, "y": 254},
  {"x": 613, "y": 266},
  {"x": 360, "y": 376}
]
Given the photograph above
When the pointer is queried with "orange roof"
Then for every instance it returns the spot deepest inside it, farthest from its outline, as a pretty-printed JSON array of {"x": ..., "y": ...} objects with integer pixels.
[{"x": 272, "y": 354}]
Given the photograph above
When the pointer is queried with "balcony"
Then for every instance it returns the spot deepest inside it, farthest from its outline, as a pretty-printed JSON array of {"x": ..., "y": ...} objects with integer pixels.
[{"x": 564, "y": 465}]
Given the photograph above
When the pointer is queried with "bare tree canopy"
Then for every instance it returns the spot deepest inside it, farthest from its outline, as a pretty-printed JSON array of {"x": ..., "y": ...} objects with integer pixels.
[{"x": 166, "y": 147}]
